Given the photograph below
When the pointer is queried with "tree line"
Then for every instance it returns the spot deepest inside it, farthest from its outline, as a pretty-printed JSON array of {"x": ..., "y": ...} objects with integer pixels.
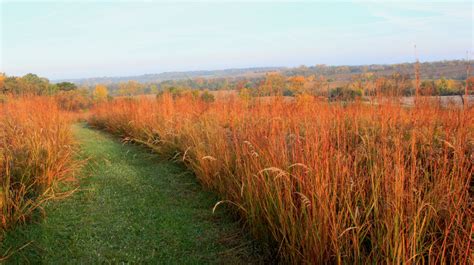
[
  {"x": 271, "y": 84},
  {"x": 68, "y": 95}
]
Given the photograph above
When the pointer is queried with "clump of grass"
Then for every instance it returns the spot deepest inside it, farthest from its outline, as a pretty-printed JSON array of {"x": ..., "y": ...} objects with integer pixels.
[
  {"x": 323, "y": 182},
  {"x": 36, "y": 153}
]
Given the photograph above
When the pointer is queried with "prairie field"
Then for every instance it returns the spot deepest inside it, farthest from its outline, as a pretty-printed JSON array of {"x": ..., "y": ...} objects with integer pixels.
[
  {"x": 322, "y": 182},
  {"x": 236, "y": 132},
  {"x": 236, "y": 177}
]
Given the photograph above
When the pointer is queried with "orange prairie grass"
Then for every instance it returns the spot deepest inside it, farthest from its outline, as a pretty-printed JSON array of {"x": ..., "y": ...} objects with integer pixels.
[
  {"x": 323, "y": 182},
  {"x": 36, "y": 153}
]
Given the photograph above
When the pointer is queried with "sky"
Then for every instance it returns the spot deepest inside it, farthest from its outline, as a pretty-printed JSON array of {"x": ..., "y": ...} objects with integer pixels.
[{"x": 79, "y": 39}]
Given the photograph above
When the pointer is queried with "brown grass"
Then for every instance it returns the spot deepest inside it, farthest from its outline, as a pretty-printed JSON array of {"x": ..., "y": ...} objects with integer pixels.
[
  {"x": 36, "y": 153},
  {"x": 324, "y": 183}
]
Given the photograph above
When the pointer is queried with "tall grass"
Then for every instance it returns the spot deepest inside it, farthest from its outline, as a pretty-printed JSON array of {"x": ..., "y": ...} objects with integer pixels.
[
  {"x": 36, "y": 153},
  {"x": 324, "y": 183}
]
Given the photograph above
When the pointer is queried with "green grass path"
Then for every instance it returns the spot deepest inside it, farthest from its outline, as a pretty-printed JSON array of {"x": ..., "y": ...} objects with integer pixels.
[{"x": 131, "y": 208}]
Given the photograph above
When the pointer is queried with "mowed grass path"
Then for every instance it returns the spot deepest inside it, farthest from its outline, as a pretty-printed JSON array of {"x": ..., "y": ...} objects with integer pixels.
[{"x": 131, "y": 208}]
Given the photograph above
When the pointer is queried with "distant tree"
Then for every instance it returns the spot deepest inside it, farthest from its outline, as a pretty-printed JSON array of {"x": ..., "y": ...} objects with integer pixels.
[
  {"x": 2, "y": 81},
  {"x": 319, "y": 86},
  {"x": 245, "y": 94},
  {"x": 100, "y": 92},
  {"x": 288, "y": 93},
  {"x": 11, "y": 85},
  {"x": 225, "y": 84},
  {"x": 447, "y": 87},
  {"x": 134, "y": 87},
  {"x": 175, "y": 92},
  {"x": 32, "y": 84},
  {"x": 274, "y": 84},
  {"x": 130, "y": 88},
  {"x": 357, "y": 84},
  {"x": 441, "y": 84},
  {"x": 194, "y": 93},
  {"x": 297, "y": 84},
  {"x": 52, "y": 89},
  {"x": 427, "y": 87},
  {"x": 470, "y": 85},
  {"x": 153, "y": 89},
  {"x": 74, "y": 100},
  {"x": 344, "y": 94},
  {"x": 207, "y": 97},
  {"x": 66, "y": 86},
  {"x": 240, "y": 85},
  {"x": 122, "y": 89},
  {"x": 199, "y": 81}
]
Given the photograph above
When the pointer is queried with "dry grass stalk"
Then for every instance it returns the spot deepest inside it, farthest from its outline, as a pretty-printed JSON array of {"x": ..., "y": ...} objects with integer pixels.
[{"x": 326, "y": 183}]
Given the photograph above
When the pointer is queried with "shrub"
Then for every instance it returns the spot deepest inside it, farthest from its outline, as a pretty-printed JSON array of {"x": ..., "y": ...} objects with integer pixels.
[
  {"x": 74, "y": 100},
  {"x": 288, "y": 93},
  {"x": 344, "y": 94},
  {"x": 207, "y": 97}
]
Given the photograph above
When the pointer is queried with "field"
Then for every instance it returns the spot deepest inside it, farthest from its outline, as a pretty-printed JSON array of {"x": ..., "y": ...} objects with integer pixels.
[
  {"x": 244, "y": 132},
  {"x": 322, "y": 182},
  {"x": 302, "y": 179},
  {"x": 376, "y": 180}
]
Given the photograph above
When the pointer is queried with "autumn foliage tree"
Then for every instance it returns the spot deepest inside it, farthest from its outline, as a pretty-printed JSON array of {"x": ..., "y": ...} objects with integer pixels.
[
  {"x": 74, "y": 100},
  {"x": 470, "y": 85},
  {"x": 274, "y": 84},
  {"x": 66, "y": 86},
  {"x": 316, "y": 85},
  {"x": 297, "y": 84},
  {"x": 29, "y": 84},
  {"x": 130, "y": 88},
  {"x": 2, "y": 81},
  {"x": 100, "y": 93}
]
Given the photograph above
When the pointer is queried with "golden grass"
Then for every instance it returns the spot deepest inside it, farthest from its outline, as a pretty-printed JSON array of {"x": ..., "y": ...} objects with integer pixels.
[
  {"x": 324, "y": 183},
  {"x": 36, "y": 153}
]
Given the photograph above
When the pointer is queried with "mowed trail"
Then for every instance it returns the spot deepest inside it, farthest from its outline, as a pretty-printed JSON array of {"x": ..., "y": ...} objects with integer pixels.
[{"x": 130, "y": 208}]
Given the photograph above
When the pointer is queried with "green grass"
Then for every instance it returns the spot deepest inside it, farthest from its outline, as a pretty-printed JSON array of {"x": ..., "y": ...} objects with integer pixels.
[{"x": 131, "y": 208}]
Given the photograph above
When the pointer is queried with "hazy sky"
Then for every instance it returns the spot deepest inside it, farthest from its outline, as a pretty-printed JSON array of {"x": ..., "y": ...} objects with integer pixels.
[{"x": 86, "y": 39}]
